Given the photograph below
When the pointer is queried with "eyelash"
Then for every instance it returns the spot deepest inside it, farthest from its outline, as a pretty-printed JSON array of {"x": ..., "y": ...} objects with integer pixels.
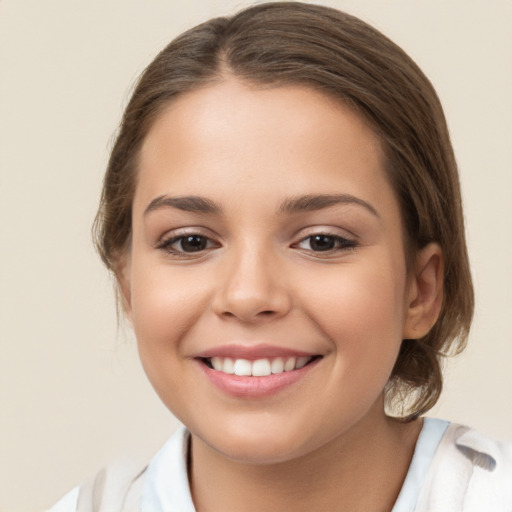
[
  {"x": 340, "y": 244},
  {"x": 167, "y": 245}
]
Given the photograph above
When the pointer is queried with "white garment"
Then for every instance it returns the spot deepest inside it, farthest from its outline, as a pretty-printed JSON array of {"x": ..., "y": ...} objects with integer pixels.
[{"x": 454, "y": 469}]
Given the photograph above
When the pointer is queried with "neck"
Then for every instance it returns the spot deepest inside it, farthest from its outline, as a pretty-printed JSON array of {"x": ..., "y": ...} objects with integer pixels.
[{"x": 362, "y": 469}]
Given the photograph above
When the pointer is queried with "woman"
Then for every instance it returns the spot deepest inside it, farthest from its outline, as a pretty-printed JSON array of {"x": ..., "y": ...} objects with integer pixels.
[{"x": 282, "y": 213}]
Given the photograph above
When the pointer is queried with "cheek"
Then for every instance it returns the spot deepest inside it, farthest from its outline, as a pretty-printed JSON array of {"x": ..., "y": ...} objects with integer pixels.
[
  {"x": 361, "y": 310},
  {"x": 166, "y": 303}
]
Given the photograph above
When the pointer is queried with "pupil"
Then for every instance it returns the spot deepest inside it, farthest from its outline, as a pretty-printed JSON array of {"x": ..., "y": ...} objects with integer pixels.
[
  {"x": 193, "y": 243},
  {"x": 322, "y": 243}
]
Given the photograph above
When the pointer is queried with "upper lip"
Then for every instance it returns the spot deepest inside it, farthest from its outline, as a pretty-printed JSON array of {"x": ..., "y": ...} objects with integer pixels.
[{"x": 252, "y": 352}]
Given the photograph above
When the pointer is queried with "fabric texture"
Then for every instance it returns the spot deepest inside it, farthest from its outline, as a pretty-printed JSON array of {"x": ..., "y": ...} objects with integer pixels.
[
  {"x": 454, "y": 469},
  {"x": 426, "y": 446}
]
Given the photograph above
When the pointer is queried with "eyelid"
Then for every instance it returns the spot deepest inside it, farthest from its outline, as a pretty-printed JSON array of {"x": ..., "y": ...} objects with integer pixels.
[
  {"x": 345, "y": 243},
  {"x": 165, "y": 242},
  {"x": 331, "y": 235},
  {"x": 185, "y": 231},
  {"x": 333, "y": 231}
]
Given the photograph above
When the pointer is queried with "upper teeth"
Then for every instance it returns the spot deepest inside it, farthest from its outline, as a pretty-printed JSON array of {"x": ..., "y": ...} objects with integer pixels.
[{"x": 258, "y": 368}]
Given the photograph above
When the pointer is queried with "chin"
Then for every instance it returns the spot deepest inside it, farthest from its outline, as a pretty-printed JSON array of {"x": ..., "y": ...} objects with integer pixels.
[
  {"x": 245, "y": 451},
  {"x": 256, "y": 444}
]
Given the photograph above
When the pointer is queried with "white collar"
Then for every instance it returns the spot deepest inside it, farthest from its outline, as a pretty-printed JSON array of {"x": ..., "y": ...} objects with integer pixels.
[
  {"x": 166, "y": 487},
  {"x": 170, "y": 466}
]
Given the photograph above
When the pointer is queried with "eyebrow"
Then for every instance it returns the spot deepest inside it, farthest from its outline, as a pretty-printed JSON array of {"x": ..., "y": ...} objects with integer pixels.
[
  {"x": 318, "y": 202},
  {"x": 194, "y": 204},
  {"x": 198, "y": 204}
]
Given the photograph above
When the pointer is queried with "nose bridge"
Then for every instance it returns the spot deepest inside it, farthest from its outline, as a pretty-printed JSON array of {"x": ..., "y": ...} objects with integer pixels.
[{"x": 252, "y": 286}]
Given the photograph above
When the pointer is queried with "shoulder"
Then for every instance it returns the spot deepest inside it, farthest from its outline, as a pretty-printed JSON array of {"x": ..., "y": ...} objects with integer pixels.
[
  {"x": 129, "y": 485},
  {"x": 490, "y": 454},
  {"x": 469, "y": 472},
  {"x": 113, "y": 489}
]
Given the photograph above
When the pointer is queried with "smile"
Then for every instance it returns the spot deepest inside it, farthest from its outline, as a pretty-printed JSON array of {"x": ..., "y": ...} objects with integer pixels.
[
  {"x": 250, "y": 373},
  {"x": 258, "y": 368}
]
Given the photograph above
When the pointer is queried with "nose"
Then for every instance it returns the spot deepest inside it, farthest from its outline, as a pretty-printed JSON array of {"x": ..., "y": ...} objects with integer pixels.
[{"x": 252, "y": 288}]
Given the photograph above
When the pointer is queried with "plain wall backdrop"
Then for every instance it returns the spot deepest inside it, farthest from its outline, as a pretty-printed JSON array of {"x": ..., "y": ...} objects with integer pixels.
[{"x": 72, "y": 394}]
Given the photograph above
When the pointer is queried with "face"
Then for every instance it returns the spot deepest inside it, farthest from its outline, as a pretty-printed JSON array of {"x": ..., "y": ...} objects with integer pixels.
[{"x": 266, "y": 281}]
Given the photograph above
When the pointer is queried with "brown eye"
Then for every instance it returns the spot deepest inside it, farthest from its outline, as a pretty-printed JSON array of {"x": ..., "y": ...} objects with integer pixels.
[
  {"x": 187, "y": 244},
  {"x": 192, "y": 243},
  {"x": 322, "y": 243}
]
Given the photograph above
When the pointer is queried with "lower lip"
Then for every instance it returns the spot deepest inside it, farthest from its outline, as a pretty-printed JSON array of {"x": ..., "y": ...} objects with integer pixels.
[{"x": 255, "y": 387}]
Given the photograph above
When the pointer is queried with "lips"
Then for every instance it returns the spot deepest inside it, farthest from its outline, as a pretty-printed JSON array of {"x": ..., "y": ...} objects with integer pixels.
[{"x": 255, "y": 371}]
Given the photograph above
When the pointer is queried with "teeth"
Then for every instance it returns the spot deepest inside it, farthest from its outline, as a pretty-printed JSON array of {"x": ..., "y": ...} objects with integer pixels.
[
  {"x": 243, "y": 367},
  {"x": 229, "y": 366},
  {"x": 258, "y": 368},
  {"x": 217, "y": 363},
  {"x": 302, "y": 361},
  {"x": 277, "y": 365},
  {"x": 261, "y": 368},
  {"x": 290, "y": 364}
]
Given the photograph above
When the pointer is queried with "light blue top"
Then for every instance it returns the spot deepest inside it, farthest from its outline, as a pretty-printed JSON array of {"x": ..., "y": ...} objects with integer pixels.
[
  {"x": 166, "y": 488},
  {"x": 169, "y": 465},
  {"x": 426, "y": 446}
]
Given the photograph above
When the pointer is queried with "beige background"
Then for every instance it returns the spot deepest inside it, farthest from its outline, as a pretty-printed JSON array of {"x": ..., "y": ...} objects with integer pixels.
[{"x": 72, "y": 394}]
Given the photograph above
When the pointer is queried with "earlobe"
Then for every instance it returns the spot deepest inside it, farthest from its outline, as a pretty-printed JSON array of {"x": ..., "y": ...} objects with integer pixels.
[
  {"x": 123, "y": 278},
  {"x": 425, "y": 292}
]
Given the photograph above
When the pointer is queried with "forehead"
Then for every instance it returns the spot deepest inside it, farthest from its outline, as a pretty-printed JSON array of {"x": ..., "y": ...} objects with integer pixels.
[{"x": 292, "y": 139}]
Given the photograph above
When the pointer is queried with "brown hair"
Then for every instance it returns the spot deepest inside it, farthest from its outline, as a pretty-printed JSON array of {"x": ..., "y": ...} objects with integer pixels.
[{"x": 286, "y": 43}]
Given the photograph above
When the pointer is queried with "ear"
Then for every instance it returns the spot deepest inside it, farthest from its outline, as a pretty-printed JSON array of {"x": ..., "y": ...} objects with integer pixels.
[
  {"x": 123, "y": 277},
  {"x": 425, "y": 294}
]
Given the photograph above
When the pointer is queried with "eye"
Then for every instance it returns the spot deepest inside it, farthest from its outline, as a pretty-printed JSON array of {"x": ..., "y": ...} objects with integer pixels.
[
  {"x": 187, "y": 244},
  {"x": 325, "y": 243}
]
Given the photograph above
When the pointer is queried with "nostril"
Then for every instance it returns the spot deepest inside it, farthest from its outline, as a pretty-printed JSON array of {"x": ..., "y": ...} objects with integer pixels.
[{"x": 266, "y": 313}]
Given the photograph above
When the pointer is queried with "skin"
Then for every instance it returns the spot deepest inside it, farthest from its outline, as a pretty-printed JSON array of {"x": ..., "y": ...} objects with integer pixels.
[{"x": 325, "y": 442}]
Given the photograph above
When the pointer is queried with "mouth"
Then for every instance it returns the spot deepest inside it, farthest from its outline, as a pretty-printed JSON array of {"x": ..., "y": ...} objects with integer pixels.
[
  {"x": 262, "y": 367},
  {"x": 257, "y": 372}
]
